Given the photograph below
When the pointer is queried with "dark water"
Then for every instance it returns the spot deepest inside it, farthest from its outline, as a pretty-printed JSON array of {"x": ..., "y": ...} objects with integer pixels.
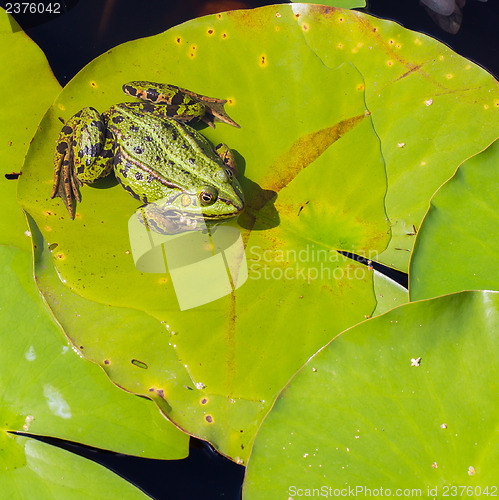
[{"x": 89, "y": 28}]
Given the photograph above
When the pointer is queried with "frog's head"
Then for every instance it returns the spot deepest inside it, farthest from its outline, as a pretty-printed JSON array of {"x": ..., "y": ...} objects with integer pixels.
[
  {"x": 182, "y": 211},
  {"x": 221, "y": 200}
]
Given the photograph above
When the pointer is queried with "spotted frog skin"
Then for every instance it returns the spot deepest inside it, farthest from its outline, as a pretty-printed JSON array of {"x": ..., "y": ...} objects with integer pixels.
[{"x": 155, "y": 156}]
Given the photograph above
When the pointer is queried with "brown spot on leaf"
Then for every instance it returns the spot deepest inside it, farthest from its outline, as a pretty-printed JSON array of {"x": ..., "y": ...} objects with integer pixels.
[{"x": 304, "y": 151}]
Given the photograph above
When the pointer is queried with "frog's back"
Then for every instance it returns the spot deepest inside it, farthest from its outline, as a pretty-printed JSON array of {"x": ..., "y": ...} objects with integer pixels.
[{"x": 159, "y": 153}]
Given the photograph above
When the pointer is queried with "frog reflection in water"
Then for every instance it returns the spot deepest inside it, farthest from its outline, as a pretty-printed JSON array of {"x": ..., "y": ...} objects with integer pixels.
[{"x": 154, "y": 155}]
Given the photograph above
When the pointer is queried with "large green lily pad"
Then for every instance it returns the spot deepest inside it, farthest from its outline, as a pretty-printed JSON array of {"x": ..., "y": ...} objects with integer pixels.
[
  {"x": 405, "y": 401},
  {"x": 310, "y": 189},
  {"x": 457, "y": 246}
]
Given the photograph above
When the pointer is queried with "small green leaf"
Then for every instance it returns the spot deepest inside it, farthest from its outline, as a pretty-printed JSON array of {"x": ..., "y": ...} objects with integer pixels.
[
  {"x": 50, "y": 473},
  {"x": 457, "y": 245},
  {"x": 389, "y": 294}
]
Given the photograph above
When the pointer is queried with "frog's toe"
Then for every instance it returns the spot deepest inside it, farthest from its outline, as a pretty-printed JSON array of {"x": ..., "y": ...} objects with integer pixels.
[{"x": 66, "y": 184}]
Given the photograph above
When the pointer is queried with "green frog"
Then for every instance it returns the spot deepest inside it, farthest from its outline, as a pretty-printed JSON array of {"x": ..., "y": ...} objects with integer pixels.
[{"x": 155, "y": 156}]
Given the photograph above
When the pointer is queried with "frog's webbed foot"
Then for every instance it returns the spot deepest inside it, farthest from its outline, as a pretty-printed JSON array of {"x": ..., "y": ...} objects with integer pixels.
[
  {"x": 215, "y": 111},
  {"x": 66, "y": 182}
]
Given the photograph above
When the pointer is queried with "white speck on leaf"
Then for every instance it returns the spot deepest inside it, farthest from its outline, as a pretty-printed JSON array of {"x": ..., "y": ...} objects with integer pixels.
[{"x": 415, "y": 361}]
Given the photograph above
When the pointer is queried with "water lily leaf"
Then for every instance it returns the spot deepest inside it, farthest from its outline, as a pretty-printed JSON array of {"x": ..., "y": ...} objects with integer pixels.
[
  {"x": 310, "y": 190},
  {"x": 47, "y": 390},
  {"x": 50, "y": 473},
  {"x": 431, "y": 108},
  {"x": 25, "y": 100},
  {"x": 396, "y": 402},
  {"x": 459, "y": 237}
]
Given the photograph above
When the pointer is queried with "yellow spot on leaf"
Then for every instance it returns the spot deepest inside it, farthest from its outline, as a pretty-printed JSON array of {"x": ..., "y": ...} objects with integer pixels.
[
  {"x": 178, "y": 40},
  {"x": 61, "y": 107},
  {"x": 485, "y": 106},
  {"x": 93, "y": 84},
  {"x": 399, "y": 45},
  {"x": 60, "y": 256},
  {"x": 341, "y": 19},
  {"x": 441, "y": 58},
  {"x": 340, "y": 45},
  {"x": 305, "y": 27},
  {"x": 449, "y": 76},
  {"x": 224, "y": 36},
  {"x": 210, "y": 32},
  {"x": 163, "y": 281},
  {"x": 360, "y": 86},
  {"x": 391, "y": 42},
  {"x": 417, "y": 41},
  {"x": 263, "y": 60},
  {"x": 389, "y": 62}
]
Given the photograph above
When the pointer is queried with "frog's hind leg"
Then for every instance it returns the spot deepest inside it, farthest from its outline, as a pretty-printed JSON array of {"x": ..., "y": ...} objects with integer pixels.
[
  {"x": 181, "y": 104},
  {"x": 66, "y": 183},
  {"x": 102, "y": 165},
  {"x": 78, "y": 145}
]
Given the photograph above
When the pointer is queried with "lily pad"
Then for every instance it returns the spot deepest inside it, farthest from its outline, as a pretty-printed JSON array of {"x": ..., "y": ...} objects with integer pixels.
[
  {"x": 50, "y": 473},
  {"x": 395, "y": 403},
  {"x": 221, "y": 373},
  {"x": 457, "y": 246},
  {"x": 310, "y": 190},
  {"x": 47, "y": 390},
  {"x": 25, "y": 100}
]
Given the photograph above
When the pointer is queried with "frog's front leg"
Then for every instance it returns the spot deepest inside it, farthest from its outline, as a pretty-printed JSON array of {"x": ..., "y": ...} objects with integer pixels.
[
  {"x": 83, "y": 153},
  {"x": 227, "y": 156}
]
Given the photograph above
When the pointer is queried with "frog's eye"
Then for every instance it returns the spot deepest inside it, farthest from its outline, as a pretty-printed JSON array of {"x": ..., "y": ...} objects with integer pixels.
[{"x": 208, "y": 196}]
